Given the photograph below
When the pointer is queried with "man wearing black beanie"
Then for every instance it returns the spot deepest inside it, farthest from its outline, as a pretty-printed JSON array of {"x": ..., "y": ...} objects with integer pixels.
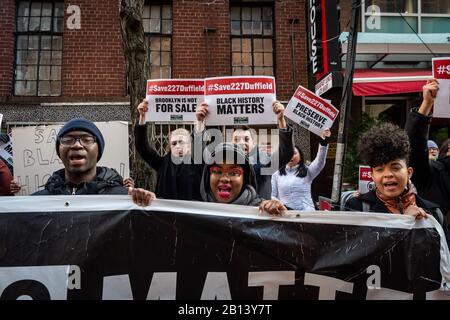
[{"x": 80, "y": 146}]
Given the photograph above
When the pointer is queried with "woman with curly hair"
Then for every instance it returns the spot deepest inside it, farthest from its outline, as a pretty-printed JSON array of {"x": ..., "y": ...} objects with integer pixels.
[{"x": 386, "y": 149}]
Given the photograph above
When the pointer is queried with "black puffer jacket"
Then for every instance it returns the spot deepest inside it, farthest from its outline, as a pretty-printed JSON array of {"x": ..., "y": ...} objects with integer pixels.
[
  {"x": 374, "y": 204},
  {"x": 108, "y": 181},
  {"x": 431, "y": 178},
  {"x": 261, "y": 161},
  {"x": 174, "y": 181}
]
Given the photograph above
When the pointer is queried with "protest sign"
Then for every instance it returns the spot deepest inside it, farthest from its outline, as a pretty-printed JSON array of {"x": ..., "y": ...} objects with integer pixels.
[
  {"x": 105, "y": 247},
  {"x": 6, "y": 149},
  {"x": 365, "y": 182},
  {"x": 240, "y": 100},
  {"x": 173, "y": 100},
  {"x": 441, "y": 72},
  {"x": 35, "y": 157},
  {"x": 310, "y": 111}
]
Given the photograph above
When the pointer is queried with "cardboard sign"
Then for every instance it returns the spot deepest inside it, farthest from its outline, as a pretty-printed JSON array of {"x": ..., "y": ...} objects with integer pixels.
[
  {"x": 365, "y": 182},
  {"x": 35, "y": 157},
  {"x": 240, "y": 100},
  {"x": 173, "y": 100},
  {"x": 310, "y": 111},
  {"x": 441, "y": 72}
]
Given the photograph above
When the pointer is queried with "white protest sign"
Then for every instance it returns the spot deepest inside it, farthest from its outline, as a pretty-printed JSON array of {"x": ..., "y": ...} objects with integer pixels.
[
  {"x": 174, "y": 99},
  {"x": 441, "y": 72},
  {"x": 6, "y": 151},
  {"x": 240, "y": 100},
  {"x": 35, "y": 157},
  {"x": 365, "y": 183},
  {"x": 311, "y": 111}
]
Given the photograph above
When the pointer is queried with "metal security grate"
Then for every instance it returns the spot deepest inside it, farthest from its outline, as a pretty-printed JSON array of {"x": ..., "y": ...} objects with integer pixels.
[{"x": 158, "y": 134}]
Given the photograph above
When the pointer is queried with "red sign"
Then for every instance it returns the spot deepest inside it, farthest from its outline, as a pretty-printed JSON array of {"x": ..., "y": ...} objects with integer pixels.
[
  {"x": 176, "y": 87},
  {"x": 239, "y": 85},
  {"x": 441, "y": 69}
]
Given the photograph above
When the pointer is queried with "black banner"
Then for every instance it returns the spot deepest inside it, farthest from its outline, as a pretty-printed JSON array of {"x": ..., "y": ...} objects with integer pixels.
[{"x": 105, "y": 247}]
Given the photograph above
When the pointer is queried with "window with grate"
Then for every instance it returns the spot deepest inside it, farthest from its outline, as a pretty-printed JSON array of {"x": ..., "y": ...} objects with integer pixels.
[
  {"x": 158, "y": 29},
  {"x": 38, "y": 54},
  {"x": 252, "y": 40}
]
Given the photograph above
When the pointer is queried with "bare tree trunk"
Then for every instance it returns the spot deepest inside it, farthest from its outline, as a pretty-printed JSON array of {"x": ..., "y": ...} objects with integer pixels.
[{"x": 136, "y": 61}]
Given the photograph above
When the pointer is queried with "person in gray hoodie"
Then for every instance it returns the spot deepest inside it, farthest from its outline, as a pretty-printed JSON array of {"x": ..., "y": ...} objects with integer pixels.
[{"x": 229, "y": 178}]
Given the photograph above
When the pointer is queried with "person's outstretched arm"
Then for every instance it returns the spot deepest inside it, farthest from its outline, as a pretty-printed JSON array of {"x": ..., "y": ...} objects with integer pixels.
[
  {"x": 321, "y": 157},
  {"x": 417, "y": 127},
  {"x": 143, "y": 147},
  {"x": 286, "y": 146}
]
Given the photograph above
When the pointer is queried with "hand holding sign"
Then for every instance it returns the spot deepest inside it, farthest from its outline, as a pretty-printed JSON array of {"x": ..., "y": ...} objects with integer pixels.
[
  {"x": 202, "y": 112},
  {"x": 278, "y": 109},
  {"x": 326, "y": 134},
  {"x": 142, "y": 109},
  {"x": 430, "y": 90}
]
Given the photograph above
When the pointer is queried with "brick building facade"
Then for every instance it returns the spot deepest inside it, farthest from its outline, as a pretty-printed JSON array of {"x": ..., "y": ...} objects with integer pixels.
[{"x": 90, "y": 78}]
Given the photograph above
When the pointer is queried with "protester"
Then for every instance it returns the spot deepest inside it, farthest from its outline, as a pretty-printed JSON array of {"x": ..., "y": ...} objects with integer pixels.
[
  {"x": 291, "y": 184},
  {"x": 433, "y": 150},
  {"x": 229, "y": 178},
  {"x": 5, "y": 180},
  {"x": 444, "y": 150},
  {"x": 178, "y": 177},
  {"x": 386, "y": 149},
  {"x": 431, "y": 178},
  {"x": 80, "y": 146},
  {"x": 246, "y": 139}
]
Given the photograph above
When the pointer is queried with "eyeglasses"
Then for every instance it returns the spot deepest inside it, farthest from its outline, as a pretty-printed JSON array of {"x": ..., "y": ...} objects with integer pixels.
[
  {"x": 231, "y": 173},
  {"x": 85, "y": 140}
]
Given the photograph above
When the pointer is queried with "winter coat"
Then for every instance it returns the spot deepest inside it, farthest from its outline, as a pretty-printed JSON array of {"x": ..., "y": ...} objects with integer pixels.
[
  {"x": 107, "y": 182},
  {"x": 369, "y": 202},
  {"x": 5, "y": 180},
  {"x": 431, "y": 178},
  {"x": 261, "y": 160},
  {"x": 174, "y": 181}
]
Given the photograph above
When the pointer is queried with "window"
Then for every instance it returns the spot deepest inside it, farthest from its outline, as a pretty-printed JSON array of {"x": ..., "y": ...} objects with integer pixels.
[
  {"x": 158, "y": 29},
  {"x": 39, "y": 36},
  {"x": 404, "y": 16},
  {"x": 251, "y": 40}
]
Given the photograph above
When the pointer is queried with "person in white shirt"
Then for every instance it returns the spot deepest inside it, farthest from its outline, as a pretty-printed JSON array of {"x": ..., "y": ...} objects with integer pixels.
[{"x": 291, "y": 185}]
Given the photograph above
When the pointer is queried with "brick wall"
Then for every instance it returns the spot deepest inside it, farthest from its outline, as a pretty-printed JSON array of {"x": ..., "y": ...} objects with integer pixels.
[
  {"x": 93, "y": 62},
  {"x": 287, "y": 82},
  {"x": 190, "y": 56},
  {"x": 7, "y": 16}
]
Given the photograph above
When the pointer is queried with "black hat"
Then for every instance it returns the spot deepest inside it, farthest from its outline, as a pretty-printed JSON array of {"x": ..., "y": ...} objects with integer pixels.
[{"x": 83, "y": 125}]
